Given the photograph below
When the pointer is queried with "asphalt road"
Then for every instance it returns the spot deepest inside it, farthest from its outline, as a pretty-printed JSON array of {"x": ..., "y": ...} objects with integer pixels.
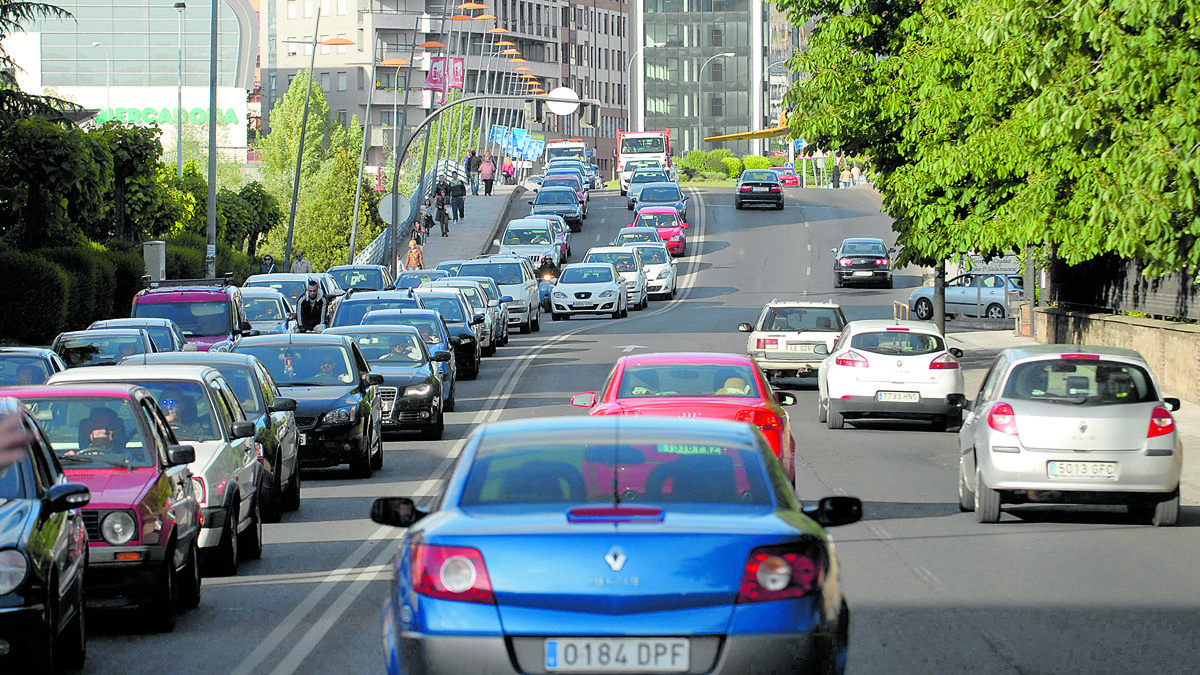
[{"x": 1048, "y": 590}]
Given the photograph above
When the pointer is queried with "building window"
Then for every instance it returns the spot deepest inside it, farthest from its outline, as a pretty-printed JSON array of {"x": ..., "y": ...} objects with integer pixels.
[
  {"x": 717, "y": 106},
  {"x": 326, "y": 84},
  {"x": 291, "y": 9},
  {"x": 718, "y": 36},
  {"x": 342, "y": 118},
  {"x": 342, "y": 82},
  {"x": 325, "y": 8},
  {"x": 308, "y": 9},
  {"x": 341, "y": 7},
  {"x": 308, "y": 47},
  {"x": 291, "y": 47}
]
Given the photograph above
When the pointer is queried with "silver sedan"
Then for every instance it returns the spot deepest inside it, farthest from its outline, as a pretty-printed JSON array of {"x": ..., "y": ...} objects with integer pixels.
[{"x": 1070, "y": 424}]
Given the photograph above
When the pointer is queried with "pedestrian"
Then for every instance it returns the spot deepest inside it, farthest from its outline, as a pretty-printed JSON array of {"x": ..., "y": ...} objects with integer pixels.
[
  {"x": 413, "y": 259},
  {"x": 845, "y": 176},
  {"x": 443, "y": 185},
  {"x": 268, "y": 265},
  {"x": 427, "y": 212},
  {"x": 487, "y": 171},
  {"x": 458, "y": 198},
  {"x": 443, "y": 216},
  {"x": 300, "y": 265},
  {"x": 509, "y": 170},
  {"x": 855, "y": 174},
  {"x": 418, "y": 232},
  {"x": 312, "y": 307},
  {"x": 473, "y": 165}
]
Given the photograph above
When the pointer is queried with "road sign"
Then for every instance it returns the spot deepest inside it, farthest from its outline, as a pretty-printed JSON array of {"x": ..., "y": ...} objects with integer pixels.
[
  {"x": 1005, "y": 264},
  {"x": 799, "y": 144},
  {"x": 562, "y": 107},
  {"x": 385, "y": 207}
]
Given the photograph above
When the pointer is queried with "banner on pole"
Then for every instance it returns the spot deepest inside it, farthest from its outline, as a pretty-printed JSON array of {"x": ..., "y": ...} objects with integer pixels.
[
  {"x": 499, "y": 131},
  {"x": 438, "y": 77}
]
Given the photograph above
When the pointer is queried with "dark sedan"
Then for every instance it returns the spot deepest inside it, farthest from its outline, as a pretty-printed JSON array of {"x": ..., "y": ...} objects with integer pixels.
[
  {"x": 28, "y": 365},
  {"x": 164, "y": 333},
  {"x": 433, "y": 330},
  {"x": 562, "y": 201},
  {"x": 412, "y": 392},
  {"x": 862, "y": 260},
  {"x": 43, "y": 553},
  {"x": 758, "y": 187},
  {"x": 663, "y": 194},
  {"x": 462, "y": 322},
  {"x": 101, "y": 346},
  {"x": 355, "y": 306},
  {"x": 338, "y": 411}
]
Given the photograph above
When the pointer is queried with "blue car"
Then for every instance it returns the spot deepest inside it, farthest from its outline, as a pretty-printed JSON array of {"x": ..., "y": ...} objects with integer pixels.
[{"x": 616, "y": 544}]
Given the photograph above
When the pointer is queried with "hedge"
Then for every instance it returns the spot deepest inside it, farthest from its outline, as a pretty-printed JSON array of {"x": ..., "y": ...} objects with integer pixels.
[
  {"x": 733, "y": 166},
  {"x": 752, "y": 162},
  {"x": 87, "y": 299},
  {"x": 185, "y": 258},
  {"x": 129, "y": 267},
  {"x": 35, "y": 309}
]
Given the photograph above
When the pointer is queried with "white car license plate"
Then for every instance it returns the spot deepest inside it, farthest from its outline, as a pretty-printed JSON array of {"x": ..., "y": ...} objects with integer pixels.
[
  {"x": 618, "y": 655},
  {"x": 759, "y": 189},
  {"x": 803, "y": 349},
  {"x": 303, "y": 439},
  {"x": 863, "y": 273},
  {"x": 898, "y": 396},
  {"x": 1090, "y": 470}
]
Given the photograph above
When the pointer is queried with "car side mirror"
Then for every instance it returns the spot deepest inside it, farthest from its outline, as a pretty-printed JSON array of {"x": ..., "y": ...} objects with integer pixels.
[
  {"x": 283, "y": 404},
  {"x": 396, "y": 511},
  {"x": 955, "y": 352},
  {"x": 441, "y": 357},
  {"x": 252, "y": 333},
  {"x": 245, "y": 327},
  {"x": 958, "y": 400},
  {"x": 833, "y": 251},
  {"x": 454, "y": 340},
  {"x": 506, "y": 298},
  {"x": 892, "y": 249},
  {"x": 242, "y": 430},
  {"x": 180, "y": 454},
  {"x": 585, "y": 399},
  {"x": 823, "y": 350},
  {"x": 495, "y": 242},
  {"x": 370, "y": 379},
  {"x": 1172, "y": 403},
  {"x": 745, "y": 328},
  {"x": 493, "y": 303},
  {"x": 785, "y": 398},
  {"x": 530, "y": 202},
  {"x": 835, "y": 511},
  {"x": 67, "y": 496},
  {"x": 478, "y": 319}
]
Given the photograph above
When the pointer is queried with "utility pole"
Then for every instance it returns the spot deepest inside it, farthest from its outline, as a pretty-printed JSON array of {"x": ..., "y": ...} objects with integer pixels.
[{"x": 210, "y": 255}]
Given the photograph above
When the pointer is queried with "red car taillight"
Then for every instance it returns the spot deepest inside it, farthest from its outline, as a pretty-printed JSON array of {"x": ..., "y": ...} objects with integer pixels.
[
  {"x": 1161, "y": 423},
  {"x": 744, "y": 188},
  {"x": 782, "y": 573},
  {"x": 881, "y": 262},
  {"x": 1003, "y": 419},
  {"x": 775, "y": 188},
  {"x": 852, "y": 359},
  {"x": 766, "y": 343},
  {"x": 943, "y": 362},
  {"x": 450, "y": 573},
  {"x": 763, "y": 419},
  {"x": 844, "y": 261}
]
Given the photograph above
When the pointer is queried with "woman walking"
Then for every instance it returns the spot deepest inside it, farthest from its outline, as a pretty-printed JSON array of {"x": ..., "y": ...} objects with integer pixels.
[
  {"x": 487, "y": 172},
  {"x": 414, "y": 259}
]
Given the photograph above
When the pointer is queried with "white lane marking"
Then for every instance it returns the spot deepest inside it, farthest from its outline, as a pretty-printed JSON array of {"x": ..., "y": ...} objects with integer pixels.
[
  {"x": 292, "y": 578},
  {"x": 625, "y": 349},
  {"x": 879, "y": 532},
  {"x": 809, "y": 245},
  {"x": 808, "y": 270},
  {"x": 925, "y": 575}
]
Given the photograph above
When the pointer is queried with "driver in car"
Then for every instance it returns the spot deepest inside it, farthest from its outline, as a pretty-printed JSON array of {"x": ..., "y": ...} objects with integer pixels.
[{"x": 402, "y": 350}]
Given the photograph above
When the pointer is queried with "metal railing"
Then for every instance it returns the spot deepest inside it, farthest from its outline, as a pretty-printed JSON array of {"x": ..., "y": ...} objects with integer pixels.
[
  {"x": 375, "y": 252},
  {"x": 900, "y": 310}
]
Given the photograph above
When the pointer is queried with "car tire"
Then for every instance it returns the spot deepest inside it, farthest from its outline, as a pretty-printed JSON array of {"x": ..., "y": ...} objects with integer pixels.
[
  {"x": 737, "y": 204},
  {"x": 923, "y": 309},
  {"x": 361, "y": 467},
  {"x": 559, "y": 316},
  {"x": 272, "y": 508},
  {"x": 250, "y": 540},
  {"x": 449, "y": 403},
  {"x": 622, "y": 193},
  {"x": 837, "y": 281},
  {"x": 225, "y": 557},
  {"x": 471, "y": 373},
  {"x": 822, "y": 411},
  {"x": 1166, "y": 513},
  {"x": 625, "y": 310},
  {"x": 291, "y": 495},
  {"x": 628, "y": 206},
  {"x": 994, "y": 311},
  {"x": 525, "y": 327},
  {"x": 158, "y": 613},
  {"x": 779, "y": 206},
  {"x": 987, "y": 500},
  {"x": 71, "y": 646},
  {"x": 434, "y": 431},
  {"x": 189, "y": 591},
  {"x": 834, "y": 419},
  {"x": 377, "y": 451},
  {"x": 835, "y": 648},
  {"x": 966, "y": 499},
  {"x": 637, "y": 306},
  {"x": 888, "y": 283},
  {"x": 536, "y": 322}
]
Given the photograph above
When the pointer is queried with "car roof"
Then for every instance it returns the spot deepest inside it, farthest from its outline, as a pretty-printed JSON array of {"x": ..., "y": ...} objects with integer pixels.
[
  {"x": 130, "y": 321},
  {"x": 525, "y": 223},
  {"x": 607, "y": 249},
  {"x": 661, "y": 358},
  {"x": 36, "y": 351},
  {"x": 153, "y": 372},
  {"x": 862, "y": 240},
  {"x": 258, "y": 292},
  {"x": 405, "y": 312},
  {"x": 216, "y": 359},
  {"x": 588, "y": 264},
  {"x": 639, "y": 228},
  {"x": 338, "y": 268},
  {"x": 659, "y": 209},
  {"x": 104, "y": 332},
  {"x": 868, "y": 325},
  {"x": 297, "y": 339},
  {"x": 1040, "y": 351},
  {"x": 661, "y": 183},
  {"x": 72, "y": 389},
  {"x": 558, "y": 188},
  {"x": 376, "y": 295}
]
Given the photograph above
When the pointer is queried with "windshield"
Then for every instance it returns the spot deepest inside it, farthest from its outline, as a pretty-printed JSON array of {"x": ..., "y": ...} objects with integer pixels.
[
  {"x": 586, "y": 275},
  {"x": 521, "y": 236},
  {"x": 504, "y": 274},
  {"x": 1086, "y": 382},
  {"x": 556, "y": 197},
  {"x": 91, "y": 432},
  {"x": 393, "y": 349},
  {"x": 292, "y": 289},
  {"x": 427, "y": 326},
  {"x": 359, "y": 278},
  {"x": 624, "y": 262},
  {"x": 692, "y": 379},
  {"x": 654, "y": 255},
  {"x": 303, "y": 366},
  {"x": 898, "y": 343},
  {"x": 649, "y": 177},
  {"x": 351, "y": 313},
  {"x": 450, "y": 308},
  {"x": 451, "y": 267},
  {"x": 802, "y": 319},
  {"x": 866, "y": 248},
  {"x": 264, "y": 309},
  {"x": 195, "y": 319},
  {"x": 630, "y": 237},
  {"x": 656, "y": 220},
  {"x": 635, "y": 164},
  {"x": 471, "y": 294},
  {"x": 16, "y": 369},
  {"x": 186, "y": 408},
  {"x": 577, "y": 151},
  {"x": 767, "y": 176},
  {"x": 89, "y": 350},
  {"x": 655, "y": 144},
  {"x": 660, "y": 194}
]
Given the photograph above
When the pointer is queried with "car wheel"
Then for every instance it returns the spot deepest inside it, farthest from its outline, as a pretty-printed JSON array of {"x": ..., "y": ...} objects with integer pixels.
[
  {"x": 272, "y": 508},
  {"x": 536, "y": 322},
  {"x": 159, "y": 612},
  {"x": 949, "y": 422},
  {"x": 291, "y": 496},
  {"x": 71, "y": 646},
  {"x": 834, "y": 419},
  {"x": 737, "y": 204},
  {"x": 888, "y": 283},
  {"x": 966, "y": 500},
  {"x": 822, "y": 411},
  {"x": 994, "y": 311},
  {"x": 1166, "y": 513},
  {"x": 189, "y": 592},
  {"x": 987, "y": 500},
  {"x": 625, "y": 309},
  {"x": 622, "y": 193},
  {"x": 226, "y": 555},
  {"x": 637, "y": 306},
  {"x": 779, "y": 206},
  {"x": 251, "y": 539},
  {"x": 377, "y": 451},
  {"x": 837, "y": 281},
  {"x": 923, "y": 309},
  {"x": 470, "y": 373},
  {"x": 434, "y": 431},
  {"x": 628, "y": 206},
  {"x": 835, "y": 648},
  {"x": 527, "y": 326},
  {"x": 448, "y": 404},
  {"x": 361, "y": 466}
]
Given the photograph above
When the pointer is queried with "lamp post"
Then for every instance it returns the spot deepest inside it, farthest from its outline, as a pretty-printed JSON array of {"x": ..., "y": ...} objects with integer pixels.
[
  {"x": 636, "y": 52},
  {"x": 179, "y": 104},
  {"x": 107, "y": 77},
  {"x": 700, "y": 96}
]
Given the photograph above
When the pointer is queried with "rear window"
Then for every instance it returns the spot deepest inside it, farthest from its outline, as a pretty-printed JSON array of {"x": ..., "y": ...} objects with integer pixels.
[
  {"x": 649, "y": 177},
  {"x": 425, "y": 325},
  {"x": 351, "y": 313},
  {"x": 654, "y": 255},
  {"x": 86, "y": 350},
  {"x": 1086, "y": 382},
  {"x": 356, "y": 278},
  {"x": 390, "y": 349},
  {"x": 660, "y": 194},
  {"x": 898, "y": 343},
  {"x": 864, "y": 248},
  {"x": 450, "y": 308},
  {"x": 203, "y": 319},
  {"x": 768, "y": 176},
  {"x": 263, "y": 309},
  {"x": 555, "y": 196},
  {"x": 627, "y": 237},
  {"x": 502, "y": 273},
  {"x": 17, "y": 370},
  {"x": 802, "y": 319},
  {"x": 291, "y": 289}
]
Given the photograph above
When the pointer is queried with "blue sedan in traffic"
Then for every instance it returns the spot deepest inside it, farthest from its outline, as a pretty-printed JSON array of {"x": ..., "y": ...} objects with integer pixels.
[{"x": 616, "y": 544}]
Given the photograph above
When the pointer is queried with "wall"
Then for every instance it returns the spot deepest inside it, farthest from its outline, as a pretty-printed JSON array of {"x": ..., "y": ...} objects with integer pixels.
[{"x": 1171, "y": 349}]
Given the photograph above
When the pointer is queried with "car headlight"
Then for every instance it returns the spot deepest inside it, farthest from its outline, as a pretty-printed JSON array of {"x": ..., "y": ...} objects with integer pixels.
[
  {"x": 608, "y": 294},
  {"x": 344, "y": 415},
  {"x": 466, "y": 339},
  {"x": 678, "y": 237},
  {"x": 560, "y": 295},
  {"x": 118, "y": 528},
  {"x": 422, "y": 389},
  {"x": 663, "y": 274},
  {"x": 13, "y": 567}
]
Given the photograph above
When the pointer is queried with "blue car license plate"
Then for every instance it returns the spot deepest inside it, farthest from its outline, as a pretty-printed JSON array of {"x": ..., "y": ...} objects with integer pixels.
[{"x": 618, "y": 655}]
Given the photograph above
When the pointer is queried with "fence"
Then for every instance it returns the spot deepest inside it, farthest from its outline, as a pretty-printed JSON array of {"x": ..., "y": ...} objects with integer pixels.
[{"x": 375, "y": 252}]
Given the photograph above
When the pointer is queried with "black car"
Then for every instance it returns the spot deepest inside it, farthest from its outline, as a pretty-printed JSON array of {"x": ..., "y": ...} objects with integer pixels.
[
  {"x": 101, "y": 346},
  {"x": 433, "y": 329},
  {"x": 28, "y": 365},
  {"x": 275, "y": 436},
  {"x": 43, "y": 555},
  {"x": 355, "y": 306},
  {"x": 559, "y": 201},
  {"x": 412, "y": 393},
  {"x": 758, "y": 186},
  {"x": 164, "y": 333},
  {"x": 462, "y": 322},
  {"x": 362, "y": 277},
  {"x": 862, "y": 260},
  {"x": 338, "y": 411}
]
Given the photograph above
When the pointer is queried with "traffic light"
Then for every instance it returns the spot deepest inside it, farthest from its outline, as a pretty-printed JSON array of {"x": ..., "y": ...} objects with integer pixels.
[
  {"x": 535, "y": 110},
  {"x": 589, "y": 113}
]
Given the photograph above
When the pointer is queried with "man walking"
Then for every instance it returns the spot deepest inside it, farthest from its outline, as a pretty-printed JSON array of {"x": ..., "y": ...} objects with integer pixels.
[
  {"x": 458, "y": 198},
  {"x": 300, "y": 265},
  {"x": 312, "y": 307},
  {"x": 473, "y": 167}
]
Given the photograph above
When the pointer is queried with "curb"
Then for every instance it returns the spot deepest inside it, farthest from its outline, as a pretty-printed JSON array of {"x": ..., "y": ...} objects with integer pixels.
[{"x": 495, "y": 232}]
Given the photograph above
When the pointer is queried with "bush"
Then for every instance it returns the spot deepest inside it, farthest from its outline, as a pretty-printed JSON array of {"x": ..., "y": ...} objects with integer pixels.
[
  {"x": 184, "y": 262},
  {"x": 695, "y": 161},
  {"x": 733, "y": 166},
  {"x": 715, "y": 175},
  {"x": 752, "y": 162},
  {"x": 720, "y": 153},
  {"x": 35, "y": 309},
  {"x": 128, "y": 267},
  {"x": 106, "y": 281},
  {"x": 83, "y": 284},
  {"x": 185, "y": 258}
]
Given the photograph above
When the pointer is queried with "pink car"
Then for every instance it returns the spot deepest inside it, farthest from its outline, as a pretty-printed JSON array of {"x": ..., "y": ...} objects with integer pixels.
[
  {"x": 670, "y": 227},
  {"x": 210, "y": 312},
  {"x": 143, "y": 519}
]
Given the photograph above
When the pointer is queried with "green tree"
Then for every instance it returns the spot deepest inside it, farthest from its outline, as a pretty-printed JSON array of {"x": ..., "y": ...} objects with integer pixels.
[
  {"x": 135, "y": 151},
  {"x": 279, "y": 148},
  {"x": 15, "y": 104},
  {"x": 265, "y": 211}
]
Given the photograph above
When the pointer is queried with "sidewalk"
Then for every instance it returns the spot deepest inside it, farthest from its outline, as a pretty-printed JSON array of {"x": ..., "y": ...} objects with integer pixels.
[
  {"x": 1187, "y": 418},
  {"x": 474, "y": 233}
]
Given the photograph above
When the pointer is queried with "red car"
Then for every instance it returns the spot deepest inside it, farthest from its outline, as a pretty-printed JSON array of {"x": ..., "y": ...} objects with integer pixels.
[
  {"x": 670, "y": 226},
  {"x": 715, "y": 386},
  {"x": 787, "y": 176}
]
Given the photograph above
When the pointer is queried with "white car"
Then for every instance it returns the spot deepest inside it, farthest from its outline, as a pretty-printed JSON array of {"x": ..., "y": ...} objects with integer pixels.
[
  {"x": 785, "y": 338},
  {"x": 589, "y": 288},
  {"x": 204, "y": 413},
  {"x": 660, "y": 269},
  {"x": 889, "y": 369},
  {"x": 514, "y": 275},
  {"x": 628, "y": 261},
  {"x": 529, "y": 238},
  {"x": 562, "y": 233}
]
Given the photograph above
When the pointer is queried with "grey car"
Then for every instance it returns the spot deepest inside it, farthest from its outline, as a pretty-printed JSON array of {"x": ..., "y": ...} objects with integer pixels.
[
  {"x": 664, "y": 193},
  {"x": 1072, "y": 424}
]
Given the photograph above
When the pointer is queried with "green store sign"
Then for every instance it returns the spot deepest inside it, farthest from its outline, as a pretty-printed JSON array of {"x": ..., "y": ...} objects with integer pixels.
[{"x": 164, "y": 116}]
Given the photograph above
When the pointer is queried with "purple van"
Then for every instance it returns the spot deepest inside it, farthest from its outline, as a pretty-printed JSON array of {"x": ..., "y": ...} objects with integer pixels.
[{"x": 210, "y": 312}]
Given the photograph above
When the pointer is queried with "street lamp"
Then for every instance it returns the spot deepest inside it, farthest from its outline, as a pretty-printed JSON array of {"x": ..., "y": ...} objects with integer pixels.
[
  {"x": 628, "y": 107},
  {"x": 107, "y": 77},
  {"x": 362, "y": 160},
  {"x": 700, "y": 96},
  {"x": 179, "y": 105}
]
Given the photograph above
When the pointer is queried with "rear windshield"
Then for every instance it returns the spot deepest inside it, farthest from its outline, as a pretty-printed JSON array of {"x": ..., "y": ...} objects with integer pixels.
[
  {"x": 660, "y": 194},
  {"x": 86, "y": 350},
  {"x": 555, "y": 196},
  {"x": 195, "y": 319},
  {"x": 524, "y": 236},
  {"x": 186, "y": 407},
  {"x": 414, "y": 279},
  {"x": 351, "y": 313},
  {"x": 802, "y": 319},
  {"x": 624, "y": 262},
  {"x": 654, "y": 255},
  {"x": 583, "y": 472},
  {"x": 355, "y": 278},
  {"x": 451, "y": 267},
  {"x": 91, "y": 433},
  {"x": 768, "y": 176},
  {"x": 634, "y": 165},
  {"x": 691, "y": 379},
  {"x": 263, "y": 309},
  {"x": 502, "y": 273},
  {"x": 864, "y": 248},
  {"x": 586, "y": 275},
  {"x": 17, "y": 370},
  {"x": 1087, "y": 382},
  {"x": 649, "y": 177},
  {"x": 292, "y": 289},
  {"x": 303, "y": 365},
  {"x": 898, "y": 343},
  {"x": 627, "y": 237}
]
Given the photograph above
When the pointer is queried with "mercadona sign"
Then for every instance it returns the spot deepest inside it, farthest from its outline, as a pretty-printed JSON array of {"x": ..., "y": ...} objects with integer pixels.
[{"x": 164, "y": 116}]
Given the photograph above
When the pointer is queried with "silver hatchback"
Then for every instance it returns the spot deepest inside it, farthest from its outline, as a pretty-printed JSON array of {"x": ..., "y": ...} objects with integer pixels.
[{"x": 1070, "y": 424}]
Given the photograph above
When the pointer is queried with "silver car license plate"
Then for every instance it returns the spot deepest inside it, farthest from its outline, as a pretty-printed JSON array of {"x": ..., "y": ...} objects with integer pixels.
[
  {"x": 618, "y": 655},
  {"x": 1084, "y": 470},
  {"x": 898, "y": 396},
  {"x": 803, "y": 349}
]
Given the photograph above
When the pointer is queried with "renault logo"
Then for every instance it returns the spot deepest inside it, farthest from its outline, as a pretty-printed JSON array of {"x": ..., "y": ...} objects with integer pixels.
[
  {"x": 615, "y": 558},
  {"x": 1082, "y": 426}
]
